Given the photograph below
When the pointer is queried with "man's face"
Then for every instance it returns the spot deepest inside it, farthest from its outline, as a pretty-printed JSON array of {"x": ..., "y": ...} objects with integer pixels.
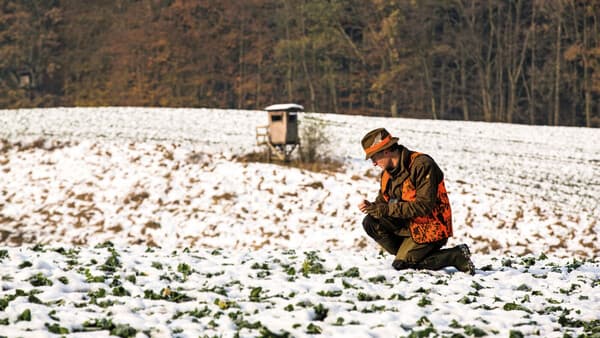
[{"x": 382, "y": 160}]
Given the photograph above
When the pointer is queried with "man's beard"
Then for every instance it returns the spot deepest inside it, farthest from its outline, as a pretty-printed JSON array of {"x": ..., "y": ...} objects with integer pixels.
[{"x": 389, "y": 166}]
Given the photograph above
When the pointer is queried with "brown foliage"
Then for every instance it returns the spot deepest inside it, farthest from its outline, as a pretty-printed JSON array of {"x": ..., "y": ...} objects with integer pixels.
[{"x": 477, "y": 60}]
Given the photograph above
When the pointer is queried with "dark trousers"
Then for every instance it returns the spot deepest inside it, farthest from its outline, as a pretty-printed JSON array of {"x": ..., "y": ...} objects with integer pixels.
[{"x": 395, "y": 238}]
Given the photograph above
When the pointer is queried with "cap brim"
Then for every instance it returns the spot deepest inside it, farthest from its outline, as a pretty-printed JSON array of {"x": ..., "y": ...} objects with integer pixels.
[{"x": 393, "y": 141}]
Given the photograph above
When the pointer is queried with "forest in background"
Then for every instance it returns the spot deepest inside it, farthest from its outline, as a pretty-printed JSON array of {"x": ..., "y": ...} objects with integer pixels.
[{"x": 515, "y": 61}]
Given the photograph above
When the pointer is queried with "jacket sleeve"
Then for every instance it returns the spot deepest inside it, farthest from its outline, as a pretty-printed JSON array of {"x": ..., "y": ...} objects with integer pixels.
[{"x": 426, "y": 176}]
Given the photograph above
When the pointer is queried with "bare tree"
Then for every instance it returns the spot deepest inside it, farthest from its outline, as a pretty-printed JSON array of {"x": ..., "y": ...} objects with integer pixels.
[{"x": 557, "y": 62}]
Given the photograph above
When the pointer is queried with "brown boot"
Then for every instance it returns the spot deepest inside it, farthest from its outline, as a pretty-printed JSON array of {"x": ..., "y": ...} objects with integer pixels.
[{"x": 464, "y": 263}]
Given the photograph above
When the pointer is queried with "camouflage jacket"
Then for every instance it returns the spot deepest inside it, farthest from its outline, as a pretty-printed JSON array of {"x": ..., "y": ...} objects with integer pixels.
[{"x": 415, "y": 192}]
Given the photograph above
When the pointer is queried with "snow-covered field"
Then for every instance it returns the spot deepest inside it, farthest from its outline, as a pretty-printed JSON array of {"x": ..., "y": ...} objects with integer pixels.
[{"x": 205, "y": 244}]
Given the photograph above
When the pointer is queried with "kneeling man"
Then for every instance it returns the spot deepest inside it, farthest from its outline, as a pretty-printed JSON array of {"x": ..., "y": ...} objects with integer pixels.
[{"x": 411, "y": 217}]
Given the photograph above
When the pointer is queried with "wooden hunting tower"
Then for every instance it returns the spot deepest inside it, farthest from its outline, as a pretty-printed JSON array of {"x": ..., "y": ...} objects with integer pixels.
[{"x": 281, "y": 134}]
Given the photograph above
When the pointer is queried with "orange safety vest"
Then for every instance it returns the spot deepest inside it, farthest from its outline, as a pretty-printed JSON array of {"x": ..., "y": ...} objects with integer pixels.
[{"x": 435, "y": 226}]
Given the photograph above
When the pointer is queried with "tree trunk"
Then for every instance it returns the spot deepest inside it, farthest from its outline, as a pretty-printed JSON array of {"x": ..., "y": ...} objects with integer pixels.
[
  {"x": 257, "y": 102},
  {"x": 332, "y": 89},
  {"x": 532, "y": 75},
  {"x": 240, "y": 81},
  {"x": 363, "y": 93},
  {"x": 463, "y": 88},
  {"x": 586, "y": 76},
  {"x": 557, "y": 71},
  {"x": 516, "y": 67},
  {"x": 516, "y": 58},
  {"x": 443, "y": 97},
  {"x": 311, "y": 87},
  {"x": 485, "y": 71},
  {"x": 501, "y": 37},
  {"x": 429, "y": 85},
  {"x": 485, "y": 96},
  {"x": 394, "y": 108},
  {"x": 289, "y": 70}
]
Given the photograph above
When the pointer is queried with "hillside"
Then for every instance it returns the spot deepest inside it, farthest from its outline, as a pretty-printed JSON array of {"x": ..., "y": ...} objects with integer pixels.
[
  {"x": 146, "y": 222},
  {"x": 170, "y": 177}
]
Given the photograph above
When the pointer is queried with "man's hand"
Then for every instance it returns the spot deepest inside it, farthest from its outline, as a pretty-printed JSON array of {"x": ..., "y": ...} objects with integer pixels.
[
  {"x": 377, "y": 210},
  {"x": 363, "y": 206}
]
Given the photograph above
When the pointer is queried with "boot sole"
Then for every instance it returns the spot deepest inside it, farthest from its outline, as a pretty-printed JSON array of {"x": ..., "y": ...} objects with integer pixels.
[{"x": 467, "y": 253}]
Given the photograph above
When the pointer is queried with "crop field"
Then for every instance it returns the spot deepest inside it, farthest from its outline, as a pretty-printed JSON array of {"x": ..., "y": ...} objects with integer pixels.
[
  {"x": 287, "y": 293},
  {"x": 151, "y": 222}
]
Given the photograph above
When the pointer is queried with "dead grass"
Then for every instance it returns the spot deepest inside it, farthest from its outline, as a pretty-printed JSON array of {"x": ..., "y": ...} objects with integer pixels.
[
  {"x": 86, "y": 197},
  {"x": 320, "y": 165},
  {"x": 314, "y": 185},
  {"x": 40, "y": 143},
  {"x": 225, "y": 196},
  {"x": 136, "y": 197},
  {"x": 150, "y": 225},
  {"x": 116, "y": 228},
  {"x": 360, "y": 243}
]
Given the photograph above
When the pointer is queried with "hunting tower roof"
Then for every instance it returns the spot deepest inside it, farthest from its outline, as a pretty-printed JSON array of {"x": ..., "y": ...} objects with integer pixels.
[{"x": 285, "y": 107}]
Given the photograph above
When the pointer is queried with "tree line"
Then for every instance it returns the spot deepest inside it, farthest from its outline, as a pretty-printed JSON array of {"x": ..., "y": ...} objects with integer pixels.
[{"x": 515, "y": 61}]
